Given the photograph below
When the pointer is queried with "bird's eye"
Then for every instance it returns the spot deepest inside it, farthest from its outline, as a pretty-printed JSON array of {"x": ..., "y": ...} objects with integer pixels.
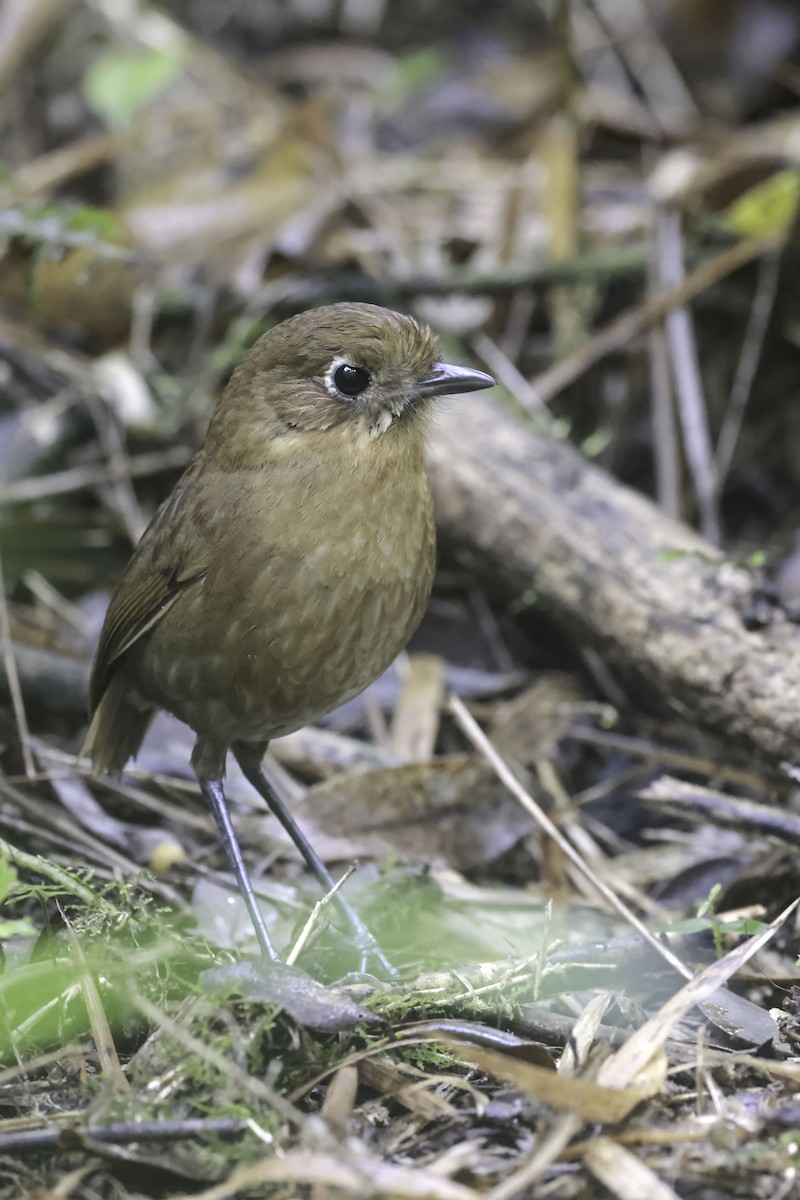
[{"x": 351, "y": 381}]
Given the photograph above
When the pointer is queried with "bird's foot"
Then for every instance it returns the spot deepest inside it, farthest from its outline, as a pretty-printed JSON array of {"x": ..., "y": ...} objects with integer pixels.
[{"x": 307, "y": 1001}]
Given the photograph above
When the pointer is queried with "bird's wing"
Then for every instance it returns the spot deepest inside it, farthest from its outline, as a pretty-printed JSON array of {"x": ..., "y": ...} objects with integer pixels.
[
  {"x": 156, "y": 576},
  {"x": 131, "y": 614}
]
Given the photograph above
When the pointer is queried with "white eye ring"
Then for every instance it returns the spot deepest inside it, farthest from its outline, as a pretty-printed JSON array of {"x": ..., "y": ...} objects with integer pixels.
[{"x": 346, "y": 381}]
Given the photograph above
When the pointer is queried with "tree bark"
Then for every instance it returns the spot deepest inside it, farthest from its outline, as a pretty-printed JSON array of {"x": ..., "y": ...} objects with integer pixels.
[{"x": 655, "y": 599}]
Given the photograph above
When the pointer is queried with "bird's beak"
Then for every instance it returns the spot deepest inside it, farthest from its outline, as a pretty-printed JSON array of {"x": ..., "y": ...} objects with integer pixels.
[{"x": 444, "y": 379}]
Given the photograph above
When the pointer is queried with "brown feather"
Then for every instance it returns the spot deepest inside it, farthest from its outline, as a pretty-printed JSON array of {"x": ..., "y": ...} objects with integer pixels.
[
  {"x": 132, "y": 613},
  {"x": 153, "y": 580},
  {"x": 117, "y": 728}
]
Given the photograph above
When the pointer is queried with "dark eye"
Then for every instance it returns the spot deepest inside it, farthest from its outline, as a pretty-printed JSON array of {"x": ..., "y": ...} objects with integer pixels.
[{"x": 351, "y": 381}]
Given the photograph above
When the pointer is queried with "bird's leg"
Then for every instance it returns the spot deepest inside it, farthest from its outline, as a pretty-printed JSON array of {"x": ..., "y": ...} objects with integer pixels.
[
  {"x": 211, "y": 786},
  {"x": 249, "y": 759}
]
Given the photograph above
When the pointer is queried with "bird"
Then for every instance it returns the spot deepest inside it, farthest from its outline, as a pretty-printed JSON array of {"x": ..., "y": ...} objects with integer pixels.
[{"x": 290, "y": 564}]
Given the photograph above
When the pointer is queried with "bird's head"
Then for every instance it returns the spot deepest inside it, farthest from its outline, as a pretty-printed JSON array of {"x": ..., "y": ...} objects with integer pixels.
[{"x": 349, "y": 367}]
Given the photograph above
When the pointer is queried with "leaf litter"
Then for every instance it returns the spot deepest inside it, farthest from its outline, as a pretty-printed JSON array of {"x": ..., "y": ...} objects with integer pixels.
[{"x": 172, "y": 180}]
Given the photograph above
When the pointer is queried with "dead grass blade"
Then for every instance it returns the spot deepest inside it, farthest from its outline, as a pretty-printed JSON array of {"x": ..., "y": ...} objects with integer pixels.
[
  {"x": 98, "y": 1021},
  {"x": 481, "y": 743},
  {"x": 12, "y": 675},
  {"x": 630, "y": 324},
  {"x": 348, "y": 1170},
  {"x": 546, "y": 1153}
]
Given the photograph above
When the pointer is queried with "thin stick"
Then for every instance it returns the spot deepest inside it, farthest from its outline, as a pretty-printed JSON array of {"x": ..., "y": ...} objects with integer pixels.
[
  {"x": 111, "y": 443},
  {"x": 52, "y": 599},
  {"x": 306, "y": 931},
  {"x": 750, "y": 357},
  {"x": 12, "y": 676},
  {"x": 475, "y": 734},
  {"x": 509, "y": 375},
  {"x": 635, "y": 321},
  {"x": 50, "y": 870},
  {"x": 692, "y": 408},
  {"x": 665, "y": 435},
  {"x": 547, "y": 1150},
  {"x": 98, "y": 1021},
  {"x": 73, "y": 479}
]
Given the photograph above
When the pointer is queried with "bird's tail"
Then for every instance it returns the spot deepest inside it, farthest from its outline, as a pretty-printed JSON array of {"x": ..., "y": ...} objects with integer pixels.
[{"x": 117, "y": 729}]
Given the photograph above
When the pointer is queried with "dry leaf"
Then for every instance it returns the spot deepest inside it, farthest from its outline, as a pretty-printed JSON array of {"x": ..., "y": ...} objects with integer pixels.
[{"x": 452, "y": 809}]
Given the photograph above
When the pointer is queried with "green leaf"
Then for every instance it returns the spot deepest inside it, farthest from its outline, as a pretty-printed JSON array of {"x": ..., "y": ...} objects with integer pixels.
[
  {"x": 689, "y": 925},
  {"x": 117, "y": 86},
  {"x": 675, "y": 555},
  {"x": 769, "y": 208},
  {"x": 91, "y": 219},
  {"x": 23, "y": 927},
  {"x": 744, "y": 926},
  {"x": 420, "y": 68},
  {"x": 8, "y": 877},
  {"x": 596, "y": 443}
]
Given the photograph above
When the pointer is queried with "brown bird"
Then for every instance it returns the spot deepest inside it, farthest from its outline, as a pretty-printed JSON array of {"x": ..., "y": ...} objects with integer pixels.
[{"x": 291, "y": 563}]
